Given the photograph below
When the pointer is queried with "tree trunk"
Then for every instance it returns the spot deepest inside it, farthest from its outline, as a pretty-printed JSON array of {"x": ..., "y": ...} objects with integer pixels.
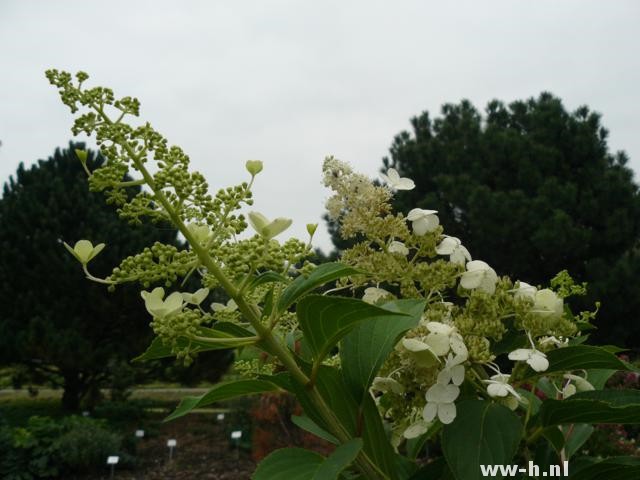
[{"x": 73, "y": 391}]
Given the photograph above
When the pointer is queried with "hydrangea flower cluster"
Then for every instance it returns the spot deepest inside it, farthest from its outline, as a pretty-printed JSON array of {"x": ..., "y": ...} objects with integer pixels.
[{"x": 470, "y": 309}]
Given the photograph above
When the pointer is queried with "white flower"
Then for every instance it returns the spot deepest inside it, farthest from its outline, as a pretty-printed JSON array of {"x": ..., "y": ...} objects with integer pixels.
[
  {"x": 558, "y": 342},
  {"x": 525, "y": 290},
  {"x": 535, "y": 358},
  {"x": 443, "y": 338},
  {"x": 453, "y": 247},
  {"x": 479, "y": 275},
  {"x": 440, "y": 400},
  {"x": 387, "y": 384},
  {"x": 196, "y": 298},
  {"x": 423, "y": 221},
  {"x": 398, "y": 247},
  {"x": 498, "y": 386},
  {"x": 159, "y": 308},
  {"x": 420, "y": 352},
  {"x": 268, "y": 229},
  {"x": 373, "y": 295},
  {"x": 546, "y": 302},
  {"x": 581, "y": 384},
  {"x": 392, "y": 178},
  {"x": 84, "y": 251},
  {"x": 416, "y": 429},
  {"x": 453, "y": 370},
  {"x": 231, "y": 306}
]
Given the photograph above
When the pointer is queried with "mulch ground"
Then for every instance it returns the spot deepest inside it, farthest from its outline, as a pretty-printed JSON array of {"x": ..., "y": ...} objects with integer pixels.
[{"x": 203, "y": 452}]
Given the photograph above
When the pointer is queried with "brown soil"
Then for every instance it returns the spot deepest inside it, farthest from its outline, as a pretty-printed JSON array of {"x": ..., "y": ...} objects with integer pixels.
[{"x": 202, "y": 452}]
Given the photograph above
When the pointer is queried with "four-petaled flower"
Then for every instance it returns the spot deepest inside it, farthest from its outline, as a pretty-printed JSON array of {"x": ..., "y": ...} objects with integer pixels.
[
  {"x": 84, "y": 251},
  {"x": 159, "y": 308},
  {"x": 267, "y": 229},
  {"x": 479, "y": 275},
  {"x": 534, "y": 357},
  {"x": 498, "y": 386},
  {"x": 453, "y": 247},
  {"x": 393, "y": 179},
  {"x": 201, "y": 233},
  {"x": 453, "y": 370},
  {"x": 423, "y": 221},
  {"x": 581, "y": 385},
  {"x": 231, "y": 306},
  {"x": 440, "y": 400}
]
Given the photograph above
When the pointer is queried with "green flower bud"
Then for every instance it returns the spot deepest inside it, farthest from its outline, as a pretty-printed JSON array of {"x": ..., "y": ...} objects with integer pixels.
[
  {"x": 311, "y": 228},
  {"x": 254, "y": 167},
  {"x": 82, "y": 155}
]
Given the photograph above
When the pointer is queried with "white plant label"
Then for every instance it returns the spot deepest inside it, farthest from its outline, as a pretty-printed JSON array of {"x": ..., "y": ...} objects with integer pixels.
[
  {"x": 220, "y": 416},
  {"x": 236, "y": 435},
  {"x": 140, "y": 433},
  {"x": 113, "y": 460},
  {"x": 171, "y": 442}
]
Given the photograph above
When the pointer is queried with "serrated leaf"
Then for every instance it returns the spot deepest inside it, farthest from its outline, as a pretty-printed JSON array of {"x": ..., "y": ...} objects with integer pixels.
[
  {"x": 483, "y": 433},
  {"x": 222, "y": 391},
  {"x": 323, "y": 274},
  {"x": 598, "y": 406},
  {"x": 366, "y": 347},
  {"x": 325, "y": 320}
]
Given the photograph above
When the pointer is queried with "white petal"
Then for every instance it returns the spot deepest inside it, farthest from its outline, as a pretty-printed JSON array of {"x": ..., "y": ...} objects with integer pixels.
[
  {"x": 398, "y": 247},
  {"x": 472, "y": 279},
  {"x": 444, "y": 376},
  {"x": 450, "y": 393},
  {"x": 488, "y": 285},
  {"x": 447, "y": 246},
  {"x": 430, "y": 411},
  {"x": 520, "y": 354},
  {"x": 420, "y": 226},
  {"x": 457, "y": 375},
  {"x": 393, "y": 175},
  {"x": 417, "y": 213},
  {"x": 568, "y": 391},
  {"x": 497, "y": 390},
  {"x": 438, "y": 343},
  {"x": 446, "y": 412},
  {"x": 458, "y": 346},
  {"x": 436, "y": 393},
  {"x": 83, "y": 249},
  {"x": 438, "y": 327},
  {"x": 276, "y": 227},
  {"x": 258, "y": 221},
  {"x": 538, "y": 361},
  {"x": 415, "y": 430},
  {"x": 405, "y": 184}
]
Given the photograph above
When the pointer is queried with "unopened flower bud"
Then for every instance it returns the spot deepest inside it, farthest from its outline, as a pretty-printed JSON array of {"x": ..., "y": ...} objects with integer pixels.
[{"x": 254, "y": 167}]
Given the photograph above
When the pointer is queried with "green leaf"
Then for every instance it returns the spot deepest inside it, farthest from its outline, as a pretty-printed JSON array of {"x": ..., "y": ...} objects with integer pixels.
[
  {"x": 598, "y": 406},
  {"x": 580, "y": 357},
  {"x": 616, "y": 468},
  {"x": 366, "y": 347},
  {"x": 289, "y": 464},
  {"x": 310, "y": 426},
  {"x": 325, "y": 273},
  {"x": 222, "y": 391},
  {"x": 578, "y": 434},
  {"x": 376, "y": 442},
  {"x": 483, "y": 433},
  {"x": 598, "y": 377},
  {"x": 340, "y": 459},
  {"x": 325, "y": 320},
  {"x": 300, "y": 464},
  {"x": 160, "y": 349}
]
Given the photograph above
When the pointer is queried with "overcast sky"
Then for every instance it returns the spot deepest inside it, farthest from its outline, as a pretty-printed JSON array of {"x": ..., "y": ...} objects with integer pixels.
[{"x": 289, "y": 82}]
